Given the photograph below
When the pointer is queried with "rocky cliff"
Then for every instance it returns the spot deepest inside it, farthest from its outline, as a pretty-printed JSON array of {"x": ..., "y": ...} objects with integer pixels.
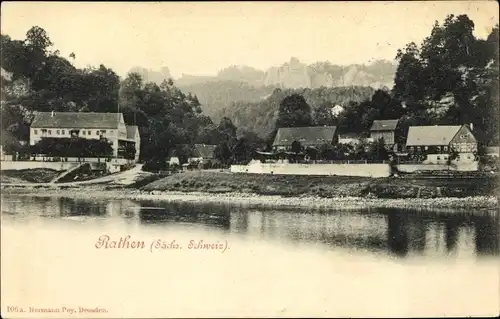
[{"x": 293, "y": 74}]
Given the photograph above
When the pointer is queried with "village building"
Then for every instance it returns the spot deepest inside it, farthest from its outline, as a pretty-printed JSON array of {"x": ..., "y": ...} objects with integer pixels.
[
  {"x": 493, "y": 151},
  {"x": 202, "y": 153},
  {"x": 438, "y": 141},
  {"x": 385, "y": 129},
  {"x": 312, "y": 136},
  {"x": 352, "y": 139},
  {"x": 88, "y": 125}
]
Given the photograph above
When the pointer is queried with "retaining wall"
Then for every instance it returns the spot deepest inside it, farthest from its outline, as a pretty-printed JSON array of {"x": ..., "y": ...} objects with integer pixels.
[{"x": 367, "y": 170}]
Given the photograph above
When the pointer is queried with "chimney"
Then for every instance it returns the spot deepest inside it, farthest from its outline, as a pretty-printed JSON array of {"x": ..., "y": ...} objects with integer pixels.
[{"x": 52, "y": 114}]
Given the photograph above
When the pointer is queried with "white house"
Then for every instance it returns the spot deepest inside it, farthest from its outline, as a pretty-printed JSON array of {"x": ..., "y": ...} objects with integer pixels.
[
  {"x": 88, "y": 125},
  {"x": 438, "y": 141},
  {"x": 202, "y": 153}
]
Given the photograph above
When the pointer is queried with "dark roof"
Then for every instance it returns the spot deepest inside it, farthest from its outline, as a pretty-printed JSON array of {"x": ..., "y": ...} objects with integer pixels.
[
  {"x": 76, "y": 120},
  {"x": 312, "y": 135},
  {"x": 384, "y": 125},
  {"x": 203, "y": 150},
  {"x": 431, "y": 135},
  {"x": 131, "y": 130}
]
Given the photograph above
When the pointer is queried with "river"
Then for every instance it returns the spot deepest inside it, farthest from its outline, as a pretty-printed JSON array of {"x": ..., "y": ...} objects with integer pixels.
[{"x": 155, "y": 259}]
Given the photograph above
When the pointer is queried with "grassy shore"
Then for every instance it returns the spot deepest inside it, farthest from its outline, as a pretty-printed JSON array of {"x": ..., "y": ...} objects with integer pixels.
[
  {"x": 326, "y": 186},
  {"x": 315, "y": 192}
]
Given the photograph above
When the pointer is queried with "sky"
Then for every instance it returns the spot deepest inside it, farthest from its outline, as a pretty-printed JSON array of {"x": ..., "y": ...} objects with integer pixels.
[{"x": 201, "y": 38}]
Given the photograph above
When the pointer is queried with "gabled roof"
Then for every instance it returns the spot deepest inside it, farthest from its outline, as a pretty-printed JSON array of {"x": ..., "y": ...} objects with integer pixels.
[
  {"x": 204, "y": 151},
  {"x": 384, "y": 125},
  {"x": 131, "y": 130},
  {"x": 431, "y": 135},
  {"x": 311, "y": 135},
  {"x": 76, "y": 120}
]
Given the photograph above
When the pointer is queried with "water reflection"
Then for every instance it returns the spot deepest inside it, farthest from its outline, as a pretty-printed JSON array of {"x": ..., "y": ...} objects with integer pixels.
[
  {"x": 397, "y": 232},
  {"x": 208, "y": 215}
]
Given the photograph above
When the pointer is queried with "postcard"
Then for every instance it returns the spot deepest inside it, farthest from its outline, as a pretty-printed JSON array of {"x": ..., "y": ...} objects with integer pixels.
[{"x": 249, "y": 159}]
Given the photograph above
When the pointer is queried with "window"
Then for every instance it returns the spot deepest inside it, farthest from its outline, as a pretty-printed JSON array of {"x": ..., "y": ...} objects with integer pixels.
[
  {"x": 438, "y": 148},
  {"x": 58, "y": 132},
  {"x": 83, "y": 132},
  {"x": 90, "y": 133},
  {"x": 63, "y": 132},
  {"x": 468, "y": 157},
  {"x": 439, "y": 158},
  {"x": 445, "y": 148},
  {"x": 426, "y": 148},
  {"x": 411, "y": 148},
  {"x": 50, "y": 132},
  {"x": 35, "y": 132},
  {"x": 96, "y": 132}
]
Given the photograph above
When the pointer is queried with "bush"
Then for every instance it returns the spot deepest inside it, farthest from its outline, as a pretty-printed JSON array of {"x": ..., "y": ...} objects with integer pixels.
[{"x": 155, "y": 166}]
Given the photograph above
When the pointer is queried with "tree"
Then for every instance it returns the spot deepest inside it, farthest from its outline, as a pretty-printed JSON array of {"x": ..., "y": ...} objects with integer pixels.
[
  {"x": 451, "y": 78},
  {"x": 296, "y": 147},
  {"x": 377, "y": 151},
  {"x": 222, "y": 153},
  {"x": 325, "y": 151},
  {"x": 227, "y": 130},
  {"x": 323, "y": 115},
  {"x": 294, "y": 112}
]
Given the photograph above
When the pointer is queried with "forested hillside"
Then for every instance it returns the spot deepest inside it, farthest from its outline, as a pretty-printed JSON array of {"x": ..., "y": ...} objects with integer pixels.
[
  {"x": 450, "y": 78},
  {"x": 36, "y": 78},
  {"x": 217, "y": 95},
  {"x": 260, "y": 116}
]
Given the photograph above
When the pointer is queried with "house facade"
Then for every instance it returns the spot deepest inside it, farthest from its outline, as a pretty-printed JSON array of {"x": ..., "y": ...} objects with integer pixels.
[
  {"x": 438, "y": 142},
  {"x": 385, "y": 129},
  {"x": 312, "y": 136},
  {"x": 352, "y": 139},
  {"x": 493, "y": 151},
  {"x": 88, "y": 125}
]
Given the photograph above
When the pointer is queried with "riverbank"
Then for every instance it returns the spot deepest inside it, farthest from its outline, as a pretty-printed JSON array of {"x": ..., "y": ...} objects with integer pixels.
[
  {"x": 260, "y": 201},
  {"x": 405, "y": 187}
]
